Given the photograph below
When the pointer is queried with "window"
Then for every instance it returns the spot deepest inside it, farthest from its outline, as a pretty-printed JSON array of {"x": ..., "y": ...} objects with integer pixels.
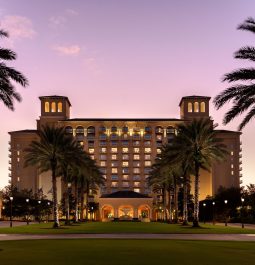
[
  {"x": 136, "y": 164},
  {"x": 125, "y": 157},
  {"x": 125, "y": 129},
  {"x": 147, "y": 129},
  {"x": 114, "y": 143},
  {"x": 114, "y": 170},
  {"x": 136, "y": 177},
  {"x": 60, "y": 107},
  {"x": 114, "y": 136},
  {"x": 137, "y": 184},
  {"x": 147, "y": 170},
  {"x": 196, "y": 107},
  {"x": 147, "y": 150},
  {"x": 147, "y": 143},
  {"x": 125, "y": 163},
  {"x": 102, "y": 136},
  {"x": 114, "y": 129},
  {"x": 18, "y": 159},
  {"x": 92, "y": 157},
  {"x": 124, "y": 150},
  {"x": 103, "y": 150},
  {"x": 159, "y": 129},
  {"x": 232, "y": 172},
  {"x": 232, "y": 166},
  {"x": 91, "y": 130},
  {"x": 102, "y": 164},
  {"x": 147, "y": 163},
  {"x": 190, "y": 107},
  {"x": 18, "y": 179},
  {"x": 91, "y": 143},
  {"x": 114, "y": 157},
  {"x": 104, "y": 176},
  {"x": 79, "y": 130},
  {"x": 136, "y": 190},
  {"x": 136, "y": 136},
  {"x": 136, "y": 170},
  {"x": 147, "y": 157},
  {"x": 125, "y": 142},
  {"x": 114, "y": 184},
  {"x": 114, "y": 163},
  {"x": 47, "y": 106},
  {"x": 125, "y": 170},
  {"x": 125, "y": 177},
  {"x": 232, "y": 153},
  {"x": 91, "y": 150},
  {"x": 18, "y": 153},
  {"x": 103, "y": 157},
  {"x": 136, "y": 143},
  {"x": 114, "y": 149},
  {"x": 136, "y": 157},
  {"x": 136, "y": 150},
  {"x": 114, "y": 177},
  {"x": 103, "y": 170},
  {"x": 159, "y": 137},
  {"x": 159, "y": 151},
  {"x": 125, "y": 184},
  {"x": 102, "y": 129},
  {"x": 147, "y": 136},
  {"x": 125, "y": 136},
  {"x": 202, "y": 107},
  {"x": 53, "y": 107}
]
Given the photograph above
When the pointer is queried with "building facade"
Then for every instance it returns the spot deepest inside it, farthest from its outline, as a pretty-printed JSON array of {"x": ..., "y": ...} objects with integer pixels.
[{"x": 124, "y": 149}]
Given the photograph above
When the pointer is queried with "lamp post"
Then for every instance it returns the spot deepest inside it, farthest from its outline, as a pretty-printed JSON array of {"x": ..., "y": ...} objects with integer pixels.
[
  {"x": 48, "y": 203},
  {"x": 242, "y": 200},
  {"x": 11, "y": 199},
  {"x": 213, "y": 207},
  {"x": 27, "y": 201},
  {"x": 92, "y": 215},
  {"x": 204, "y": 205},
  {"x": 226, "y": 220},
  {"x": 69, "y": 188},
  {"x": 39, "y": 211}
]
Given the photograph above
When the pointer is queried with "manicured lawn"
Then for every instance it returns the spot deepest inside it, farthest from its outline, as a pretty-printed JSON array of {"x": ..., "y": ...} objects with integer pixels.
[
  {"x": 124, "y": 227},
  {"x": 125, "y": 252}
]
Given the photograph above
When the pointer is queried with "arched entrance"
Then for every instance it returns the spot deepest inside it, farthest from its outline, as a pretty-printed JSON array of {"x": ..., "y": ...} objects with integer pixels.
[
  {"x": 126, "y": 212},
  {"x": 107, "y": 212},
  {"x": 144, "y": 211}
]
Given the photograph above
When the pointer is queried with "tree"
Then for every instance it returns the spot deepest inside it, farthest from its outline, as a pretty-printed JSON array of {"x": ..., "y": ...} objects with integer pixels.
[
  {"x": 8, "y": 74},
  {"x": 198, "y": 147},
  {"x": 47, "y": 153},
  {"x": 241, "y": 94}
]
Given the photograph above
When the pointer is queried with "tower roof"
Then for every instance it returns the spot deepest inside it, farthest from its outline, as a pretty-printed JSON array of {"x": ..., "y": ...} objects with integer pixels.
[{"x": 56, "y": 97}]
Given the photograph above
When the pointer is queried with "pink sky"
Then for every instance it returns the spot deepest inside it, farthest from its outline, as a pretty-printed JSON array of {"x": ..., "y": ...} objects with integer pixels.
[{"x": 115, "y": 58}]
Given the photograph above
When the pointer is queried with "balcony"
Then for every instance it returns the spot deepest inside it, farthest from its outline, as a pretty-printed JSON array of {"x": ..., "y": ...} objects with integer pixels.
[
  {"x": 10, "y": 156},
  {"x": 240, "y": 156},
  {"x": 9, "y": 175},
  {"x": 9, "y": 168},
  {"x": 10, "y": 162},
  {"x": 240, "y": 168}
]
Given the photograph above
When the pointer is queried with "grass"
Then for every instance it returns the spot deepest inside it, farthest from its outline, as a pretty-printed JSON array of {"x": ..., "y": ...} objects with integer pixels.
[
  {"x": 125, "y": 252},
  {"x": 124, "y": 227}
]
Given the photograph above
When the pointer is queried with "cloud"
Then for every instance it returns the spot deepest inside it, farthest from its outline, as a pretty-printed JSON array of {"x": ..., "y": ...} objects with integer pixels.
[
  {"x": 60, "y": 20},
  {"x": 68, "y": 50},
  {"x": 18, "y": 27}
]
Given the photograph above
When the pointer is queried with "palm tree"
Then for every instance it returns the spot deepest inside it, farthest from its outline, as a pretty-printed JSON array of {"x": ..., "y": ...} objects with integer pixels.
[
  {"x": 241, "y": 94},
  {"x": 199, "y": 149},
  {"x": 7, "y": 75},
  {"x": 47, "y": 153}
]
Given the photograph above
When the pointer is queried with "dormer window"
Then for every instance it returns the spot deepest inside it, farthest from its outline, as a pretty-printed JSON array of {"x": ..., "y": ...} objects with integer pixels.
[
  {"x": 202, "y": 107},
  {"x": 60, "y": 107},
  {"x": 196, "y": 107},
  {"x": 47, "y": 106},
  {"x": 190, "y": 107},
  {"x": 53, "y": 107}
]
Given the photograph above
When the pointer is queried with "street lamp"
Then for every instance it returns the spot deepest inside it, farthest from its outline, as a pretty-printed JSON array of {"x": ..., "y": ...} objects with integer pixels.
[
  {"x": 69, "y": 189},
  {"x": 39, "y": 213},
  {"x": 226, "y": 220},
  {"x": 27, "y": 201},
  {"x": 242, "y": 200},
  {"x": 204, "y": 204},
  {"x": 213, "y": 204},
  {"x": 11, "y": 199}
]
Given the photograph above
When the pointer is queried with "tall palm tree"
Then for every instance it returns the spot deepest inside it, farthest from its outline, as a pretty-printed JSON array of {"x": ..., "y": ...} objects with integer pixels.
[
  {"x": 8, "y": 74},
  {"x": 199, "y": 149},
  {"x": 47, "y": 153},
  {"x": 241, "y": 94}
]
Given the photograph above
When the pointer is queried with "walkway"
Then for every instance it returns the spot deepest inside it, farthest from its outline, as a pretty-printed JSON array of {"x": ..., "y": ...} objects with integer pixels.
[{"x": 217, "y": 237}]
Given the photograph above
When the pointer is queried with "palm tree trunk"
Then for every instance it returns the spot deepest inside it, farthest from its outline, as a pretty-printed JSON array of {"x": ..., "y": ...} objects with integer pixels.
[
  {"x": 82, "y": 203},
  {"x": 67, "y": 204},
  {"x": 185, "y": 201},
  {"x": 170, "y": 206},
  {"x": 55, "y": 200},
  {"x": 76, "y": 218},
  {"x": 175, "y": 201},
  {"x": 86, "y": 209},
  {"x": 196, "y": 201},
  {"x": 164, "y": 204}
]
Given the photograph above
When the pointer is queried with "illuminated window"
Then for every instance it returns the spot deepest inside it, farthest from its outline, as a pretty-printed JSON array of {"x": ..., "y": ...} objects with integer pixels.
[
  {"x": 232, "y": 166},
  {"x": 125, "y": 184},
  {"x": 136, "y": 143},
  {"x": 124, "y": 150},
  {"x": 104, "y": 176},
  {"x": 125, "y": 164},
  {"x": 60, "y": 107},
  {"x": 147, "y": 143},
  {"x": 159, "y": 137},
  {"x": 53, "y": 107},
  {"x": 102, "y": 164},
  {"x": 125, "y": 170},
  {"x": 136, "y": 184},
  {"x": 232, "y": 172},
  {"x": 136, "y": 150},
  {"x": 114, "y": 177},
  {"x": 159, "y": 151},
  {"x": 190, "y": 107},
  {"x": 125, "y": 157},
  {"x": 18, "y": 153},
  {"x": 232, "y": 153},
  {"x": 196, "y": 107},
  {"x": 18, "y": 179},
  {"x": 114, "y": 163},
  {"x": 47, "y": 106},
  {"x": 114, "y": 157},
  {"x": 103, "y": 150},
  {"x": 114, "y": 184},
  {"x": 136, "y": 170},
  {"x": 114, "y": 149},
  {"x": 136, "y": 190},
  {"x": 91, "y": 150},
  {"x": 202, "y": 107},
  {"x": 147, "y": 150},
  {"x": 114, "y": 170},
  {"x": 125, "y": 136},
  {"x": 147, "y": 163},
  {"x": 18, "y": 159},
  {"x": 92, "y": 157},
  {"x": 136, "y": 157},
  {"x": 147, "y": 157},
  {"x": 136, "y": 164},
  {"x": 125, "y": 177}
]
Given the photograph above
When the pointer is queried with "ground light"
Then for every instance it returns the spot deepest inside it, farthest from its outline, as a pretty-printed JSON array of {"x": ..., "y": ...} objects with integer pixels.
[
  {"x": 226, "y": 219},
  {"x": 11, "y": 199},
  {"x": 27, "y": 201},
  {"x": 213, "y": 213},
  {"x": 204, "y": 204},
  {"x": 242, "y": 200}
]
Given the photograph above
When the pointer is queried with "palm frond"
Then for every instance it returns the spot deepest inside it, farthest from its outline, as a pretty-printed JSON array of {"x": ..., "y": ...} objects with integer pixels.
[
  {"x": 243, "y": 74},
  {"x": 248, "y": 24},
  {"x": 246, "y": 53}
]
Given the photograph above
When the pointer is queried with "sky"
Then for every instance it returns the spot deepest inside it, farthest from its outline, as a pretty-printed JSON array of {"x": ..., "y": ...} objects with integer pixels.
[{"x": 123, "y": 58}]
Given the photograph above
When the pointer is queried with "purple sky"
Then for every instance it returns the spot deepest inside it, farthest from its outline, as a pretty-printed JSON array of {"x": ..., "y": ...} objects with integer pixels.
[{"x": 115, "y": 58}]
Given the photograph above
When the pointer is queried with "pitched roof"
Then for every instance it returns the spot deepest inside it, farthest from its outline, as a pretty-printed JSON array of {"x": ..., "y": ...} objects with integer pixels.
[{"x": 125, "y": 194}]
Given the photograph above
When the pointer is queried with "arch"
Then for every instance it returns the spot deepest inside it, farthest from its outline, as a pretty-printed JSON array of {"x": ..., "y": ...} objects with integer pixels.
[
  {"x": 102, "y": 129},
  {"x": 107, "y": 212},
  {"x": 202, "y": 106},
  {"x": 91, "y": 130},
  {"x": 196, "y": 107},
  {"x": 125, "y": 129},
  {"x": 190, "y": 109},
  {"x": 69, "y": 129},
  {"x": 60, "y": 107},
  {"x": 114, "y": 129},
  {"x": 126, "y": 212},
  {"x": 79, "y": 130},
  {"x": 170, "y": 130},
  {"x": 159, "y": 129},
  {"x": 53, "y": 107},
  {"x": 47, "y": 106},
  {"x": 147, "y": 129},
  {"x": 144, "y": 211}
]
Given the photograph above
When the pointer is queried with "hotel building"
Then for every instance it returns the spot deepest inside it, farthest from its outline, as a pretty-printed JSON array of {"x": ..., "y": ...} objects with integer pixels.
[{"x": 124, "y": 149}]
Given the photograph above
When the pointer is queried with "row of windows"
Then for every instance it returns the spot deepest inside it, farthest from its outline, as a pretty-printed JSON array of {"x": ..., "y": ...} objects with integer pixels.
[
  {"x": 126, "y": 164},
  {"x": 196, "y": 107},
  {"x": 53, "y": 107},
  {"x": 125, "y": 157},
  {"x": 126, "y": 170},
  {"x": 124, "y": 184},
  {"x": 123, "y": 150}
]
